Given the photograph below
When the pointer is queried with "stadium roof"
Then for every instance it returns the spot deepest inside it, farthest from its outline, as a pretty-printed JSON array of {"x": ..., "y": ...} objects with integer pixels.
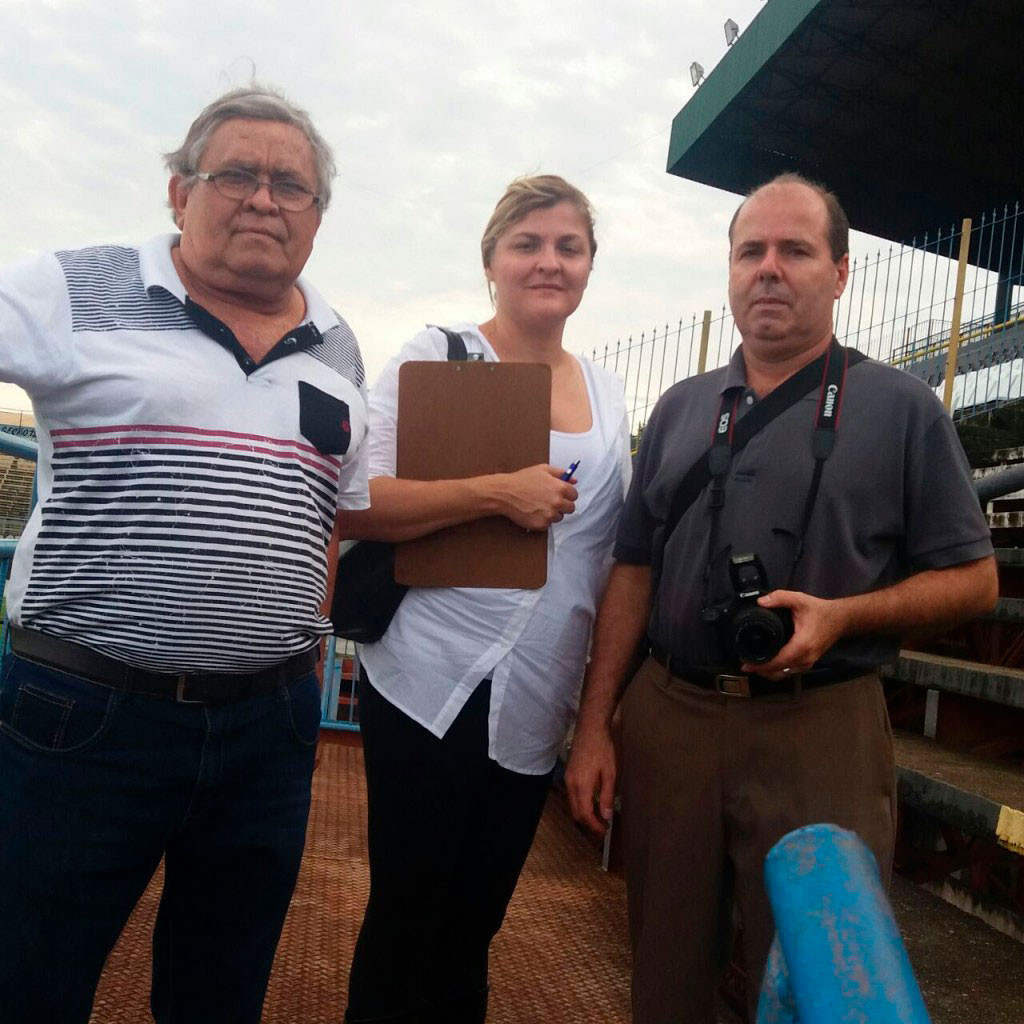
[{"x": 911, "y": 110}]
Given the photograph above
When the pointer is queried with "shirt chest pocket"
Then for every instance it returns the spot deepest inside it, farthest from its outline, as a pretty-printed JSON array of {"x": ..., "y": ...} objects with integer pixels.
[{"x": 324, "y": 420}]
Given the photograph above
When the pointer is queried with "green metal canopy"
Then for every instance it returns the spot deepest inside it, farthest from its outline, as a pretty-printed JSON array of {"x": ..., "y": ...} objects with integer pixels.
[{"x": 910, "y": 110}]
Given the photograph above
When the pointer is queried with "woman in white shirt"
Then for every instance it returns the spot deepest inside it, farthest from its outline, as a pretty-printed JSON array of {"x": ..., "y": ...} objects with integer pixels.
[{"x": 465, "y": 701}]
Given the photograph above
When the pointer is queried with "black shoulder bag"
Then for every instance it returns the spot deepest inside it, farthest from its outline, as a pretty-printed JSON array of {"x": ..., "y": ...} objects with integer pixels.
[{"x": 366, "y": 595}]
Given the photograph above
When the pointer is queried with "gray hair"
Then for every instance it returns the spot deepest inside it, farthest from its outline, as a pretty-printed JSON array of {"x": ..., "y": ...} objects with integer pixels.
[{"x": 252, "y": 103}]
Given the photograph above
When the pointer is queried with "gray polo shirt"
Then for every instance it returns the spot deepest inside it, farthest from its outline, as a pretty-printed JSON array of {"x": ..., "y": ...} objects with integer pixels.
[{"x": 896, "y": 498}]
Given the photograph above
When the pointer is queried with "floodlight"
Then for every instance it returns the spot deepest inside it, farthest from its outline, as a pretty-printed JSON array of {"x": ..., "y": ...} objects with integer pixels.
[
  {"x": 732, "y": 32},
  {"x": 696, "y": 74}
]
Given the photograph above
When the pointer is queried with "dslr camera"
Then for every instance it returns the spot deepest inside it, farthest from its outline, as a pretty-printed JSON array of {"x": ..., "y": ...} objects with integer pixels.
[{"x": 749, "y": 633}]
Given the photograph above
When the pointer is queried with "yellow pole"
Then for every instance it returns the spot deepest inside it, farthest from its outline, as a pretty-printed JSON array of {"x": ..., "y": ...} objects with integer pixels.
[
  {"x": 958, "y": 305},
  {"x": 705, "y": 333}
]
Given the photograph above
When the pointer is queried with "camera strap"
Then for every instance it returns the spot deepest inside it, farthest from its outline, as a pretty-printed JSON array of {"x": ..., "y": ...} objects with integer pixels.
[
  {"x": 731, "y": 436},
  {"x": 791, "y": 390},
  {"x": 837, "y": 361}
]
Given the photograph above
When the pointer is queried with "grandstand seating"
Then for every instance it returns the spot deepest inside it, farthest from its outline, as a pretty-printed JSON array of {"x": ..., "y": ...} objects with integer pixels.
[
  {"x": 16, "y": 478},
  {"x": 957, "y": 705}
]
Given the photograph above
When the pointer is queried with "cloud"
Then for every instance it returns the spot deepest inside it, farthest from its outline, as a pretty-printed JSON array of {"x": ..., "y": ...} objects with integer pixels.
[{"x": 432, "y": 109}]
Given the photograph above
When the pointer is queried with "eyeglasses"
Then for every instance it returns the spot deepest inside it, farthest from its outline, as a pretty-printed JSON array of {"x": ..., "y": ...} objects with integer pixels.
[{"x": 237, "y": 184}]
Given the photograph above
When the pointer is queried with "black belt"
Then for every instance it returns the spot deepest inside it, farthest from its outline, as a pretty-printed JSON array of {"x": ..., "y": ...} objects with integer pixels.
[
  {"x": 736, "y": 685},
  {"x": 185, "y": 688}
]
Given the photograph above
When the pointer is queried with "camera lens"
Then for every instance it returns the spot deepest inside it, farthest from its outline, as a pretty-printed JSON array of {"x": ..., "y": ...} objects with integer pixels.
[{"x": 758, "y": 635}]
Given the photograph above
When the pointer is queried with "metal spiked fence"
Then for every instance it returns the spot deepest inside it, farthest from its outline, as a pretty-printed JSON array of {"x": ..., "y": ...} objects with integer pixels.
[{"x": 947, "y": 307}]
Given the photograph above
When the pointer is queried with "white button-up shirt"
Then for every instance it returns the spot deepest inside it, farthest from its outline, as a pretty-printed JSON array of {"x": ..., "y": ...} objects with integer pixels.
[{"x": 532, "y": 643}]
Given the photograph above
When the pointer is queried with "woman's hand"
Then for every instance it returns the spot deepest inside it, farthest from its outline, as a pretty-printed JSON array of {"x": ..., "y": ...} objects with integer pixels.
[
  {"x": 401, "y": 510},
  {"x": 534, "y": 497}
]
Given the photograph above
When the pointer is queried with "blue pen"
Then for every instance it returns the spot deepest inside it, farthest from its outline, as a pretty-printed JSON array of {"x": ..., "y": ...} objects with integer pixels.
[{"x": 567, "y": 475}]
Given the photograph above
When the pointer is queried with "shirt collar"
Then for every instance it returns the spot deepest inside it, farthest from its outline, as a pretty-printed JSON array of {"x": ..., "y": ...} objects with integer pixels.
[
  {"x": 735, "y": 372},
  {"x": 157, "y": 267},
  {"x": 157, "y": 270}
]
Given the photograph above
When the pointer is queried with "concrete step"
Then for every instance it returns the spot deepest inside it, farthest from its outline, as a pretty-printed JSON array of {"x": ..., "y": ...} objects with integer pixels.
[
  {"x": 978, "y": 796},
  {"x": 953, "y": 675},
  {"x": 1007, "y": 609},
  {"x": 1003, "y": 457},
  {"x": 968, "y": 972},
  {"x": 1005, "y": 520},
  {"x": 997, "y": 461},
  {"x": 1010, "y": 556}
]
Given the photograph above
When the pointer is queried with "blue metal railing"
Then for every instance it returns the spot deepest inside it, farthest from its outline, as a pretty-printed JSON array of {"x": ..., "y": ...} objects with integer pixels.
[
  {"x": 6, "y": 554},
  {"x": 937, "y": 342},
  {"x": 339, "y": 704},
  {"x": 837, "y": 954},
  {"x": 19, "y": 447}
]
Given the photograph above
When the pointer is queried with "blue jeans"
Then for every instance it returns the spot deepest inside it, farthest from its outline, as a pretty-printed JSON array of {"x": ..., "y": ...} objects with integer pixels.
[{"x": 96, "y": 785}]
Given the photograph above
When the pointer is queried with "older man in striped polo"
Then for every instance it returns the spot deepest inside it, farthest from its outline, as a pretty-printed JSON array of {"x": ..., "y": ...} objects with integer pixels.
[{"x": 200, "y": 411}]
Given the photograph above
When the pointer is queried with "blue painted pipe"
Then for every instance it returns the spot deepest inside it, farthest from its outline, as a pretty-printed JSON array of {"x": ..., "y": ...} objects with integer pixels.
[
  {"x": 19, "y": 447},
  {"x": 839, "y": 954},
  {"x": 5, "y": 568},
  {"x": 776, "y": 1004}
]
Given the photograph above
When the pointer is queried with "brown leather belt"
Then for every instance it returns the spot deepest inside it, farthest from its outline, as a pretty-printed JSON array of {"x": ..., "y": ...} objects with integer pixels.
[
  {"x": 185, "y": 688},
  {"x": 736, "y": 685}
]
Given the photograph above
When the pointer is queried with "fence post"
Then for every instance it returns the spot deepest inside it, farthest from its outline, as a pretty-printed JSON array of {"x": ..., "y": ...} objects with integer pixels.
[
  {"x": 705, "y": 334},
  {"x": 958, "y": 305}
]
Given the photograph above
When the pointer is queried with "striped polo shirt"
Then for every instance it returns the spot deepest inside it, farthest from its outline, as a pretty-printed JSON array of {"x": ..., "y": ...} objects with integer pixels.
[{"x": 186, "y": 493}]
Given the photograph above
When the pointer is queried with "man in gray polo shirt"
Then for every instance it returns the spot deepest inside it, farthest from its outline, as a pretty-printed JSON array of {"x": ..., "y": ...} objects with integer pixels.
[{"x": 728, "y": 744}]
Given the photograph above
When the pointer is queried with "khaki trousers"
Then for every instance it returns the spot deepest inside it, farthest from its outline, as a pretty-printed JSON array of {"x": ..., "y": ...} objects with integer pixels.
[{"x": 709, "y": 784}]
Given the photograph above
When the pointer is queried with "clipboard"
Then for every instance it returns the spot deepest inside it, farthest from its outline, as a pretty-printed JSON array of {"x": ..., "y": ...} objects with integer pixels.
[{"x": 458, "y": 419}]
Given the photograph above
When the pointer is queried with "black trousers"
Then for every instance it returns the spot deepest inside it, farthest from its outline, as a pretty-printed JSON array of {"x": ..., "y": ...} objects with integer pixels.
[{"x": 449, "y": 831}]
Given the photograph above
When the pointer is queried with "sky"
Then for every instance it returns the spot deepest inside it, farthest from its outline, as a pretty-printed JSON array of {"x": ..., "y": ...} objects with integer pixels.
[{"x": 432, "y": 108}]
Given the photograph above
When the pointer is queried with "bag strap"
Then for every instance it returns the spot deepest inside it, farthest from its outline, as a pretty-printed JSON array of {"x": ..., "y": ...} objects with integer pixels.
[
  {"x": 788, "y": 393},
  {"x": 456, "y": 346}
]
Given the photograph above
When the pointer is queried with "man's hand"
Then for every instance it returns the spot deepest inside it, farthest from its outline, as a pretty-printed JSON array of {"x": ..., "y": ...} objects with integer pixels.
[
  {"x": 590, "y": 778},
  {"x": 621, "y": 622},
  {"x": 925, "y": 602},
  {"x": 817, "y": 625},
  {"x": 535, "y": 497}
]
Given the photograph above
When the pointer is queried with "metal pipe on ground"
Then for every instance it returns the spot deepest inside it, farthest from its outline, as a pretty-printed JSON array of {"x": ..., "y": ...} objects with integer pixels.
[
  {"x": 837, "y": 954},
  {"x": 995, "y": 485}
]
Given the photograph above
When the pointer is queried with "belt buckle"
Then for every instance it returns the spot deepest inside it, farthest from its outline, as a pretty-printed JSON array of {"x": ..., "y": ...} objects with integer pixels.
[
  {"x": 179, "y": 692},
  {"x": 732, "y": 686}
]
